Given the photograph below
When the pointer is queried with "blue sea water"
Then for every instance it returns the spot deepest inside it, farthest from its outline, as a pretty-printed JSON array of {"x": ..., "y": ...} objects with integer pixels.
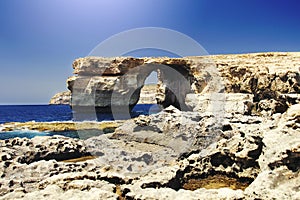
[
  {"x": 50, "y": 113},
  {"x": 39, "y": 113}
]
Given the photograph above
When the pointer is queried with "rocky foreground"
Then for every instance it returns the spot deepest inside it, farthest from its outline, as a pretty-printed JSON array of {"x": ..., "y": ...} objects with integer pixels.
[
  {"x": 170, "y": 155},
  {"x": 240, "y": 143}
]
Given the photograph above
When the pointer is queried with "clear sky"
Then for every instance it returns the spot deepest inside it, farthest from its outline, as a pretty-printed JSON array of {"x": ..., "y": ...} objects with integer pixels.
[{"x": 39, "y": 39}]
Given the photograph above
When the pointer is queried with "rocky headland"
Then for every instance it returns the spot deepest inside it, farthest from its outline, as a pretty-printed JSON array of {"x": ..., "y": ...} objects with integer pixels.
[
  {"x": 61, "y": 98},
  {"x": 229, "y": 130},
  {"x": 147, "y": 96}
]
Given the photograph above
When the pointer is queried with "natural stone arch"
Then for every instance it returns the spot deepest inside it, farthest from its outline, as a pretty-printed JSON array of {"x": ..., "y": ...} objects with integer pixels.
[
  {"x": 114, "y": 84},
  {"x": 173, "y": 84},
  {"x": 177, "y": 85}
]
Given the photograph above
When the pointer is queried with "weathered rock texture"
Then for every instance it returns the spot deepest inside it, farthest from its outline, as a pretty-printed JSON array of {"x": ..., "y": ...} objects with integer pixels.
[
  {"x": 240, "y": 141},
  {"x": 117, "y": 82},
  {"x": 170, "y": 155}
]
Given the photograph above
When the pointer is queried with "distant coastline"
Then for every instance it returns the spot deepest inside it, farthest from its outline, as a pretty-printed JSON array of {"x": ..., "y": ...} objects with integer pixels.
[{"x": 147, "y": 96}]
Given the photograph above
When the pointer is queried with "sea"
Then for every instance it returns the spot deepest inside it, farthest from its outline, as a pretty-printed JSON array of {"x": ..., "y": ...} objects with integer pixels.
[{"x": 57, "y": 113}]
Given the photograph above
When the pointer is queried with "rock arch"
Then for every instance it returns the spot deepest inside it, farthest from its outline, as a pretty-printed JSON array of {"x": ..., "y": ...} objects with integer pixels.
[
  {"x": 173, "y": 83},
  {"x": 115, "y": 83},
  {"x": 257, "y": 74}
]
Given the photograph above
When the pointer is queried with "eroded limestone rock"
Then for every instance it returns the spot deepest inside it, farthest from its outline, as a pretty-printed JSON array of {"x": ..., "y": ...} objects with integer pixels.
[
  {"x": 109, "y": 82},
  {"x": 254, "y": 142},
  {"x": 259, "y": 152}
]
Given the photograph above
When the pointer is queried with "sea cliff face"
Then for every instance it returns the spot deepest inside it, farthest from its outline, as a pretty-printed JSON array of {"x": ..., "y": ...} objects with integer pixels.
[{"x": 266, "y": 76}]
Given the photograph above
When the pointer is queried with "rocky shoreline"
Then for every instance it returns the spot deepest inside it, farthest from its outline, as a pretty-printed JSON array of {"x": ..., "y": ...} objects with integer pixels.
[
  {"x": 258, "y": 157},
  {"x": 240, "y": 143},
  {"x": 58, "y": 126}
]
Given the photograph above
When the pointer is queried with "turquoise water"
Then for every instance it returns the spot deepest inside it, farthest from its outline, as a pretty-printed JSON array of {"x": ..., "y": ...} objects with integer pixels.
[
  {"x": 82, "y": 134},
  {"x": 32, "y": 134}
]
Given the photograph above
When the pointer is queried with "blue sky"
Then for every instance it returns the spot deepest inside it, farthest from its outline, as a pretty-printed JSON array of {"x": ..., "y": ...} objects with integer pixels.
[{"x": 40, "y": 39}]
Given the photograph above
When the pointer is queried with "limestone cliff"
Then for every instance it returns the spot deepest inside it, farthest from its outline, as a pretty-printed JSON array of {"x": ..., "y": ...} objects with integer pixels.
[{"x": 106, "y": 82}]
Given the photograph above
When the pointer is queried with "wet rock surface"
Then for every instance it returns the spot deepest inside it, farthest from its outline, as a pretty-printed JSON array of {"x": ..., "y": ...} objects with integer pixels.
[{"x": 59, "y": 126}]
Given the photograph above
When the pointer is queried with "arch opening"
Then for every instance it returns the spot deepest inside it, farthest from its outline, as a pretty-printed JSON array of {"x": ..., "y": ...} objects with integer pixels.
[
  {"x": 175, "y": 84},
  {"x": 147, "y": 103},
  {"x": 162, "y": 85},
  {"x": 170, "y": 81}
]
